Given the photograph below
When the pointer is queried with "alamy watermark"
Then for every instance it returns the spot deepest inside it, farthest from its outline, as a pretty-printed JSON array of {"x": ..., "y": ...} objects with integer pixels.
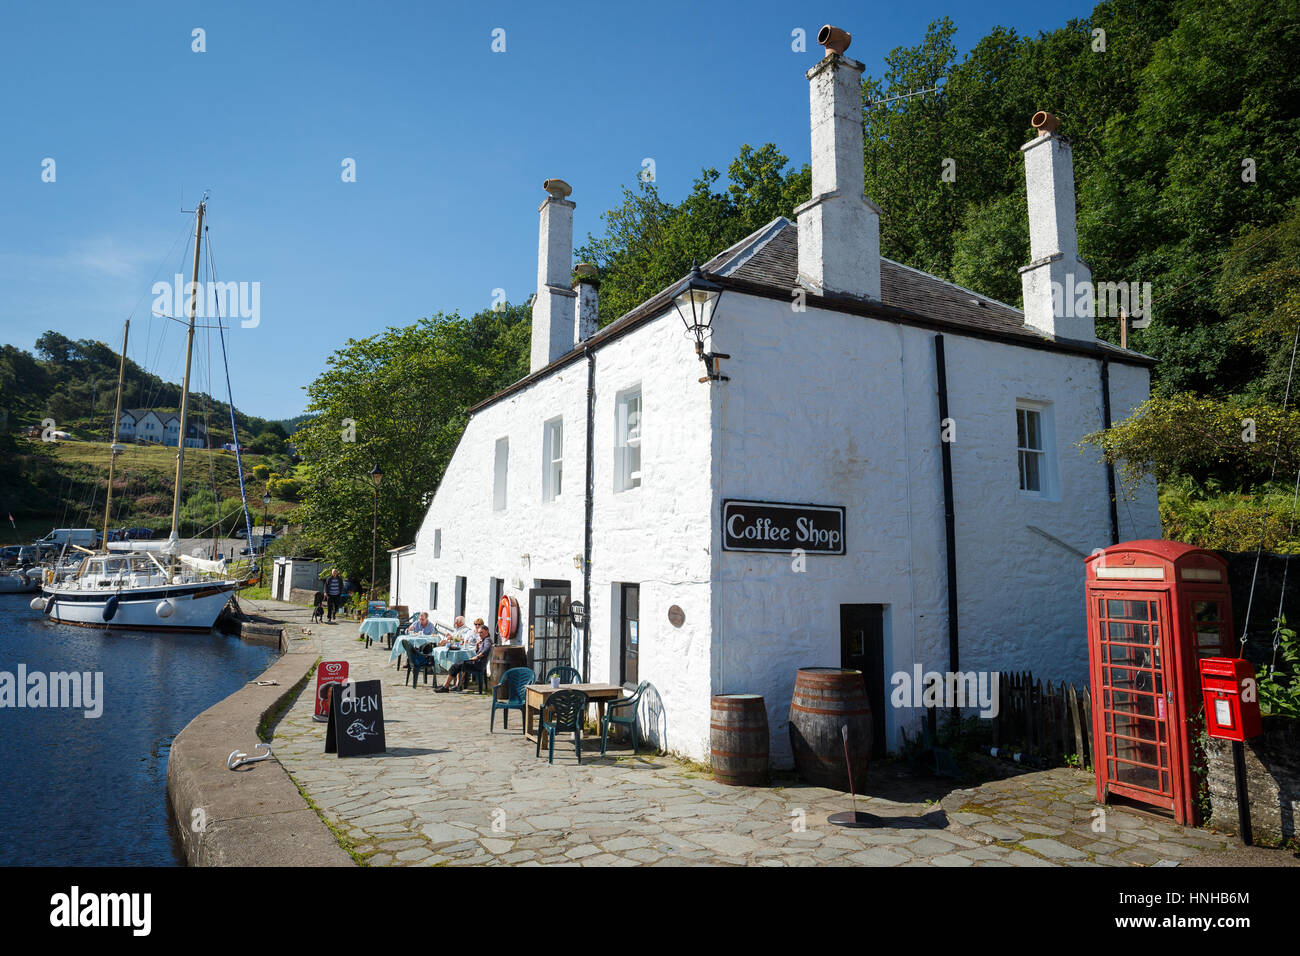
[
  {"x": 211, "y": 299},
  {"x": 949, "y": 689},
  {"x": 37, "y": 689},
  {"x": 1104, "y": 300}
]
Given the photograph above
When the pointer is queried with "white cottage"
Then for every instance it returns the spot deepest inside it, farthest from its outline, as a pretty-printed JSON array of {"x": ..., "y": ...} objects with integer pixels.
[{"x": 871, "y": 467}]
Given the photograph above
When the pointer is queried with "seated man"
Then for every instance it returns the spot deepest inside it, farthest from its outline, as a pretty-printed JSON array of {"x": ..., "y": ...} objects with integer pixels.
[
  {"x": 423, "y": 626},
  {"x": 482, "y": 651},
  {"x": 460, "y": 633}
]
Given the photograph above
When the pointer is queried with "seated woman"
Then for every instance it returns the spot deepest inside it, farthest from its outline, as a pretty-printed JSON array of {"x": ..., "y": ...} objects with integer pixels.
[{"x": 482, "y": 651}]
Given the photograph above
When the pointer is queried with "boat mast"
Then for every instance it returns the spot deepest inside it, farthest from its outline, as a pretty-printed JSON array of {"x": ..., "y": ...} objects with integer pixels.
[
  {"x": 185, "y": 388},
  {"x": 117, "y": 419}
]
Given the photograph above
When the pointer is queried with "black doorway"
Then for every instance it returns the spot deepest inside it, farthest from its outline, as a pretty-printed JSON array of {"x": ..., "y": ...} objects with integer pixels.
[
  {"x": 550, "y": 631},
  {"x": 862, "y": 647},
  {"x": 629, "y": 628}
]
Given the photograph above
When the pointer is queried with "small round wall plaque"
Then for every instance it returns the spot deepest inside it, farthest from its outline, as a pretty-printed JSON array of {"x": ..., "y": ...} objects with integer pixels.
[{"x": 676, "y": 616}]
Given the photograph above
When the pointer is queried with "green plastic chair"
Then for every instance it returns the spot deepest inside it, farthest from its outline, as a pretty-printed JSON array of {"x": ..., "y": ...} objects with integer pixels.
[
  {"x": 628, "y": 720},
  {"x": 567, "y": 675},
  {"x": 567, "y": 708},
  {"x": 514, "y": 680}
]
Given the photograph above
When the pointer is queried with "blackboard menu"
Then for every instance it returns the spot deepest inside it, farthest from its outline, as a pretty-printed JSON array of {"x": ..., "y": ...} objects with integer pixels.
[{"x": 356, "y": 725}]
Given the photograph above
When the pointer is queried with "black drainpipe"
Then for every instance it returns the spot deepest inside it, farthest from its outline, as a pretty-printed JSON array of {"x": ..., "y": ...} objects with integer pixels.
[
  {"x": 591, "y": 484},
  {"x": 949, "y": 512},
  {"x": 1110, "y": 469}
]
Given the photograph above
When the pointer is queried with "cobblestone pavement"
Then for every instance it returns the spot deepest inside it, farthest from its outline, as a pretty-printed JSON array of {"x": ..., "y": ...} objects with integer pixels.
[{"x": 448, "y": 792}]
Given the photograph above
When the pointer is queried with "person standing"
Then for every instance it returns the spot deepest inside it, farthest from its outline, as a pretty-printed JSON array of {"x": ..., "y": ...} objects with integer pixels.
[{"x": 333, "y": 593}]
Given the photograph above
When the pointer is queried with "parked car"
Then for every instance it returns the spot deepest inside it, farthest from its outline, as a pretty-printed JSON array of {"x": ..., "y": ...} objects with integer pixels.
[
  {"x": 240, "y": 532},
  {"x": 139, "y": 533},
  {"x": 117, "y": 534}
]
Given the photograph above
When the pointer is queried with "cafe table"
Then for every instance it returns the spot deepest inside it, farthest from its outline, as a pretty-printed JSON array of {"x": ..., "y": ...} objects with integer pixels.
[
  {"x": 445, "y": 657},
  {"x": 378, "y": 628},
  {"x": 536, "y": 695},
  {"x": 401, "y": 645}
]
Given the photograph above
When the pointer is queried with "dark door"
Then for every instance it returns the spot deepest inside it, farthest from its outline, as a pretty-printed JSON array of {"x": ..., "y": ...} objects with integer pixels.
[
  {"x": 550, "y": 632},
  {"x": 497, "y": 589},
  {"x": 630, "y": 628},
  {"x": 862, "y": 648},
  {"x": 460, "y": 595}
]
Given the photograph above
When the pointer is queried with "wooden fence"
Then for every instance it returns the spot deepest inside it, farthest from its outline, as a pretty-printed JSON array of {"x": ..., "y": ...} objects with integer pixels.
[{"x": 1043, "y": 722}]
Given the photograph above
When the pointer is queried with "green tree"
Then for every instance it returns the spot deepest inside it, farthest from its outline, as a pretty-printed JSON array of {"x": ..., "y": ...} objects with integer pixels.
[
  {"x": 650, "y": 243},
  {"x": 398, "y": 399}
]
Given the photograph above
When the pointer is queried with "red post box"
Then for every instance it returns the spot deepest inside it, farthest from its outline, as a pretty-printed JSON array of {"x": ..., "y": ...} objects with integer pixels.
[
  {"x": 1155, "y": 608},
  {"x": 1231, "y": 701}
]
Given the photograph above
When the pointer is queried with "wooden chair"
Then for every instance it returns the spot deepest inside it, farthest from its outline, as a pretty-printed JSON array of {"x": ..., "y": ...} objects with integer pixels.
[{"x": 567, "y": 710}]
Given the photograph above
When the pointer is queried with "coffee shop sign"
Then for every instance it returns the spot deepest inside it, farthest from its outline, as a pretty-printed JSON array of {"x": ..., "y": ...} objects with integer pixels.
[{"x": 779, "y": 527}]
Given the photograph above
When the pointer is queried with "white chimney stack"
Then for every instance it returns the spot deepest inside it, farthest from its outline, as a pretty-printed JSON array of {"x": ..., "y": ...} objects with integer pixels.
[
  {"x": 587, "y": 285},
  {"x": 839, "y": 228},
  {"x": 1057, "y": 284},
  {"x": 553, "y": 308}
]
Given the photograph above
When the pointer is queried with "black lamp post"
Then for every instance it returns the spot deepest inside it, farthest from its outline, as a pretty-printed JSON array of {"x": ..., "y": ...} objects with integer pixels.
[
  {"x": 376, "y": 476},
  {"x": 266, "y": 520},
  {"x": 696, "y": 300}
]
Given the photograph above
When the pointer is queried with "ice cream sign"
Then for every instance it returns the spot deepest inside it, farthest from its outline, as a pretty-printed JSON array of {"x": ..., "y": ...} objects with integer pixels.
[{"x": 779, "y": 527}]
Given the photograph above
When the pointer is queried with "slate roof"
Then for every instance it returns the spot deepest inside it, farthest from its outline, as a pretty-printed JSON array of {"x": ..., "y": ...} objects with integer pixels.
[
  {"x": 770, "y": 258},
  {"x": 766, "y": 263}
]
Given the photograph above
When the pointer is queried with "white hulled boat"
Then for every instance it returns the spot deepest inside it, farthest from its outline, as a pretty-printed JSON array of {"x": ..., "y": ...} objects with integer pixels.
[{"x": 136, "y": 585}]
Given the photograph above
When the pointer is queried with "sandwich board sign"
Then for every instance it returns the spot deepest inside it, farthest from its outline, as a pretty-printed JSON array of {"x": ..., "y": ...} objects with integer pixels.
[
  {"x": 356, "y": 722},
  {"x": 328, "y": 673}
]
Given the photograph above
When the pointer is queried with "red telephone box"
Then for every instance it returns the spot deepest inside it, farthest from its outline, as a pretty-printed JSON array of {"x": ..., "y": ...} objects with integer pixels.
[{"x": 1155, "y": 608}]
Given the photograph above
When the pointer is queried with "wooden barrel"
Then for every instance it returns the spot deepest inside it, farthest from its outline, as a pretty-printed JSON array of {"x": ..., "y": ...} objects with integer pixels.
[
  {"x": 738, "y": 740},
  {"x": 825, "y": 700},
  {"x": 504, "y": 657}
]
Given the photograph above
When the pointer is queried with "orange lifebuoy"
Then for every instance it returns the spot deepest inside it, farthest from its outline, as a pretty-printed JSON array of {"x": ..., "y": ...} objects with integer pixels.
[{"x": 507, "y": 618}]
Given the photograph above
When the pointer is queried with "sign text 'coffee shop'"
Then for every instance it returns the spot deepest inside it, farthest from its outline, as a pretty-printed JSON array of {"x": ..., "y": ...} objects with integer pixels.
[{"x": 775, "y": 526}]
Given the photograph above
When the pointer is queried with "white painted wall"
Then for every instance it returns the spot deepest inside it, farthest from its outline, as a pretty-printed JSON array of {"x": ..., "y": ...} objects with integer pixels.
[
  {"x": 828, "y": 424},
  {"x": 656, "y": 536},
  {"x": 821, "y": 408}
]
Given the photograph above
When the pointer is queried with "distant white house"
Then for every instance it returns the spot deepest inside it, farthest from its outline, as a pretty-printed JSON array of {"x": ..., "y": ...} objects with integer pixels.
[{"x": 159, "y": 428}]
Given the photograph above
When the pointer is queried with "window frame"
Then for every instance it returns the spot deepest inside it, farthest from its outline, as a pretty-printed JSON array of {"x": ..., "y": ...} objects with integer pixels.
[
  {"x": 625, "y": 439},
  {"x": 501, "y": 474},
  {"x": 1048, "y": 477},
  {"x": 552, "y": 466}
]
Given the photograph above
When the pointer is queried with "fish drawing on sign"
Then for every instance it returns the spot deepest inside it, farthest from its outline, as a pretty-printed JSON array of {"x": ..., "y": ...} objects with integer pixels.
[{"x": 359, "y": 731}]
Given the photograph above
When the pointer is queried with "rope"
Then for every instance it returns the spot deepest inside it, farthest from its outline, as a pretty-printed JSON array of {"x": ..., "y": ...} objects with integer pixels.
[{"x": 234, "y": 428}]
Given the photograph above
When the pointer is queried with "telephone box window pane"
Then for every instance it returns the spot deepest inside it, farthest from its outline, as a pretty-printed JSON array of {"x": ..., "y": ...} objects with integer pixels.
[
  {"x": 1130, "y": 633},
  {"x": 1127, "y": 610},
  {"x": 1133, "y": 656},
  {"x": 1136, "y": 776},
  {"x": 1205, "y": 610},
  {"x": 1141, "y": 705}
]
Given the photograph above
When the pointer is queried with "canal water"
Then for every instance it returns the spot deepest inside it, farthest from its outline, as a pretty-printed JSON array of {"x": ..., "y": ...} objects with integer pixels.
[{"x": 92, "y": 791}]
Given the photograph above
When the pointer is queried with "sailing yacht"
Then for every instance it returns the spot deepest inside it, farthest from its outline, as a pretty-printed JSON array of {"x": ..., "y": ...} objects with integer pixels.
[{"x": 144, "y": 585}]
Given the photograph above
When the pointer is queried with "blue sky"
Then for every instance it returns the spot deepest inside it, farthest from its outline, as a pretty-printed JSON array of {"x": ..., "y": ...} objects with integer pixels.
[{"x": 451, "y": 143}]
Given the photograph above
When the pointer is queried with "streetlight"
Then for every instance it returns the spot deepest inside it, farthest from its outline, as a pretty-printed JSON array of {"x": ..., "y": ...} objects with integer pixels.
[
  {"x": 696, "y": 300},
  {"x": 266, "y": 520},
  {"x": 376, "y": 476}
]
